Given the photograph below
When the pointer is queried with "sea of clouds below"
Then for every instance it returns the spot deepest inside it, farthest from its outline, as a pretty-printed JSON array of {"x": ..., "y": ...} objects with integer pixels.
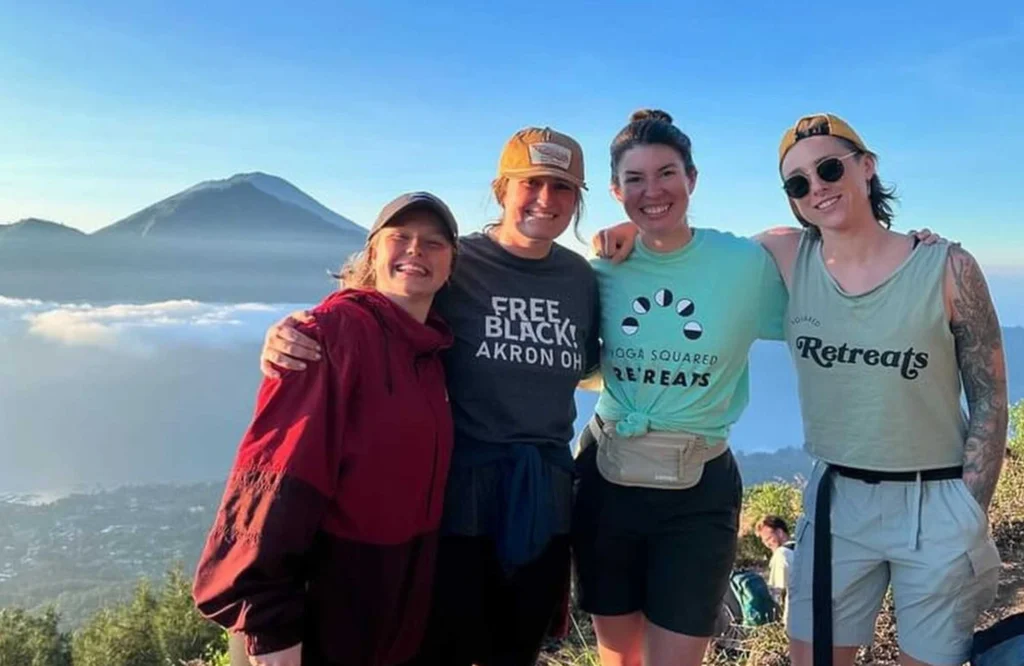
[{"x": 120, "y": 393}]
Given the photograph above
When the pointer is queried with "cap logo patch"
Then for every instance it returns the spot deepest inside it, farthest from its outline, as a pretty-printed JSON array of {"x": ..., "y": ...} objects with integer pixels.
[
  {"x": 550, "y": 154},
  {"x": 815, "y": 126}
]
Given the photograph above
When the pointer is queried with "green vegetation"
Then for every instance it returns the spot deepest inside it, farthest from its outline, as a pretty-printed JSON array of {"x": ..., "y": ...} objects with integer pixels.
[
  {"x": 152, "y": 628},
  {"x": 32, "y": 639},
  {"x": 775, "y": 498}
]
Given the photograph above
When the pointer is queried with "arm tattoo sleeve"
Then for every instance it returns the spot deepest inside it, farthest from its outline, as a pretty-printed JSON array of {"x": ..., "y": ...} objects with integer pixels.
[{"x": 979, "y": 350}]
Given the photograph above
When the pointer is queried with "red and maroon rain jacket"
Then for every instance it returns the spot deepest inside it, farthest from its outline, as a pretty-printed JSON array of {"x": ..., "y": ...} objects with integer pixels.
[{"x": 327, "y": 531}]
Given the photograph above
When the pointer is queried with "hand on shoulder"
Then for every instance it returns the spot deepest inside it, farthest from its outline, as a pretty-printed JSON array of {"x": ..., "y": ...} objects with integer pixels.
[{"x": 284, "y": 347}]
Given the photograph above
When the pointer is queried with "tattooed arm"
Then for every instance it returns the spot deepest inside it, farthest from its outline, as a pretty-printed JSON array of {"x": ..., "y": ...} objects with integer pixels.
[{"x": 979, "y": 351}]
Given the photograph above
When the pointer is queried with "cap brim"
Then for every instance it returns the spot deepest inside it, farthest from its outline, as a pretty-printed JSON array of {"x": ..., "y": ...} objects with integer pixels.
[
  {"x": 546, "y": 171},
  {"x": 447, "y": 219}
]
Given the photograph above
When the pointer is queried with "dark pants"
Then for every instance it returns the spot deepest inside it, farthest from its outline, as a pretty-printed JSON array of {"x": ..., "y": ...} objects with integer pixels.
[
  {"x": 667, "y": 553},
  {"x": 481, "y": 615}
]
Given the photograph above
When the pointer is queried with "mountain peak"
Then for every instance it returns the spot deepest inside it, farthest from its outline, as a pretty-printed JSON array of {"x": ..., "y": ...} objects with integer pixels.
[
  {"x": 245, "y": 206},
  {"x": 285, "y": 191}
]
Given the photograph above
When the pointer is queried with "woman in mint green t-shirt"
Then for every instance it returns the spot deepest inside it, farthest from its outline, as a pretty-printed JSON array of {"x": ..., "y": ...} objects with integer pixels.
[{"x": 657, "y": 513}]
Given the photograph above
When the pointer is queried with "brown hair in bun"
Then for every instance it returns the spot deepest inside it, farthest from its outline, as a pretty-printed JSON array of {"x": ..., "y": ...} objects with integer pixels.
[{"x": 651, "y": 127}]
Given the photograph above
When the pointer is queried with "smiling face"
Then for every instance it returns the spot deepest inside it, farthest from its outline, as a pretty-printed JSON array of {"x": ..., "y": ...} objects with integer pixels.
[
  {"x": 539, "y": 208},
  {"x": 772, "y": 538},
  {"x": 830, "y": 205},
  {"x": 653, "y": 186},
  {"x": 412, "y": 256}
]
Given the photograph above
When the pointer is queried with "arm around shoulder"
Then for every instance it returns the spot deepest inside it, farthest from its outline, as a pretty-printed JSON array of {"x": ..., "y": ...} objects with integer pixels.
[{"x": 782, "y": 244}]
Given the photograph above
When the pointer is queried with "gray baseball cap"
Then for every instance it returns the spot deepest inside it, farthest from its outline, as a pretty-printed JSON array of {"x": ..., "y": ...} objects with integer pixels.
[{"x": 412, "y": 200}]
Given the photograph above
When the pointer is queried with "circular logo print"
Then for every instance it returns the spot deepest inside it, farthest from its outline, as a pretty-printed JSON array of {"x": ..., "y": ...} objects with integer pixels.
[{"x": 641, "y": 305}]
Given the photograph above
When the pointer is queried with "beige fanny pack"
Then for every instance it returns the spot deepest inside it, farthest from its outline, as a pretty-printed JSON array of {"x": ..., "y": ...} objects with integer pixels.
[{"x": 666, "y": 460}]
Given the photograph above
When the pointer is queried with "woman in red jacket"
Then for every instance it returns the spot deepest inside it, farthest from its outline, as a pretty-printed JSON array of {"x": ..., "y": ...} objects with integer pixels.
[{"x": 322, "y": 551}]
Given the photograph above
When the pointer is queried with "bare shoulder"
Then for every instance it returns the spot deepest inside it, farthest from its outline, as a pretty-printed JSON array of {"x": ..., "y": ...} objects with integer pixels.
[
  {"x": 964, "y": 286},
  {"x": 960, "y": 260},
  {"x": 972, "y": 315}
]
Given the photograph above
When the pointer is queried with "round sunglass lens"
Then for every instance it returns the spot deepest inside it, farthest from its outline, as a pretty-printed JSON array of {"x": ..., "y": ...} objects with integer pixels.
[
  {"x": 831, "y": 170},
  {"x": 797, "y": 187}
]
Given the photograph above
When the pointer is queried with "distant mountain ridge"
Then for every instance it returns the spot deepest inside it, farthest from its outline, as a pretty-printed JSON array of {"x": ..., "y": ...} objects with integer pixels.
[
  {"x": 250, "y": 237},
  {"x": 35, "y": 228}
]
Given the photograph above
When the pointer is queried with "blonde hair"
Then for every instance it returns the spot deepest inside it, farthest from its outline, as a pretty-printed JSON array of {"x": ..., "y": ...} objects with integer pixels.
[{"x": 357, "y": 272}]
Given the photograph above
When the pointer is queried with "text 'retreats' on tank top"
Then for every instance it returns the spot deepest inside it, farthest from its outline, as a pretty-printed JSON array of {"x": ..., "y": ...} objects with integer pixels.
[{"x": 877, "y": 372}]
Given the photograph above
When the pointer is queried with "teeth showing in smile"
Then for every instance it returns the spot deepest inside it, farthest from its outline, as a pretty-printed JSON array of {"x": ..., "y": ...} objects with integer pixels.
[
  {"x": 538, "y": 215},
  {"x": 654, "y": 211},
  {"x": 411, "y": 269},
  {"x": 827, "y": 203}
]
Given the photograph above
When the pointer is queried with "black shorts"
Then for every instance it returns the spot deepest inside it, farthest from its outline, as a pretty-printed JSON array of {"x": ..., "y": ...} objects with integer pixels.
[{"x": 667, "y": 553}]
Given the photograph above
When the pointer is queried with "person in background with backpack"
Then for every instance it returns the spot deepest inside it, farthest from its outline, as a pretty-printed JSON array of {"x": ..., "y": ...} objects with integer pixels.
[
  {"x": 749, "y": 600},
  {"x": 774, "y": 534}
]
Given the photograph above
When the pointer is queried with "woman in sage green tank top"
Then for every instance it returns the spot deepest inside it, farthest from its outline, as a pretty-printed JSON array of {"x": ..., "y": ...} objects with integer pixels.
[{"x": 884, "y": 333}]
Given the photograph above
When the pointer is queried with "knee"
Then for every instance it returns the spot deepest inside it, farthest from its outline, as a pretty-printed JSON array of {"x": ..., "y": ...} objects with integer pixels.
[
  {"x": 610, "y": 658},
  {"x": 620, "y": 640},
  {"x": 620, "y": 655},
  {"x": 799, "y": 652}
]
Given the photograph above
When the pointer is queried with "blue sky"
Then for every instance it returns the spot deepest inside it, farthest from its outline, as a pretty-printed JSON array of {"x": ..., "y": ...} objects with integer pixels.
[{"x": 106, "y": 107}]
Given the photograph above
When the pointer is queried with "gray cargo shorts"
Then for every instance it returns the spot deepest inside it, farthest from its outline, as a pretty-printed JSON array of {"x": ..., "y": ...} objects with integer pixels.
[{"x": 930, "y": 540}]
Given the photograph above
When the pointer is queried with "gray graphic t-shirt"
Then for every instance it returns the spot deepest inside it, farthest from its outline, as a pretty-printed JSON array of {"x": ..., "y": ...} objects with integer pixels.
[{"x": 526, "y": 332}]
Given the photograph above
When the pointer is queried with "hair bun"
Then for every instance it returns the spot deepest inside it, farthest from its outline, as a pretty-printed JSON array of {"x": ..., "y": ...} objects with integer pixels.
[{"x": 650, "y": 114}]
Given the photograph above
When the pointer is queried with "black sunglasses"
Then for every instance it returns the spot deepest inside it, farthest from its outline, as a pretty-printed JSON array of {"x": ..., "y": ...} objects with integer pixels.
[{"x": 829, "y": 170}]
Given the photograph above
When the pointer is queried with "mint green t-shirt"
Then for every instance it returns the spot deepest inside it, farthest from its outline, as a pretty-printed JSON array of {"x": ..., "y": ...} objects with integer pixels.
[{"x": 676, "y": 329}]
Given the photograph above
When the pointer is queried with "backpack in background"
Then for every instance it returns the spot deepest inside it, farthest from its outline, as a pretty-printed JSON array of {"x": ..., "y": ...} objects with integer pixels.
[
  {"x": 754, "y": 598},
  {"x": 1002, "y": 644}
]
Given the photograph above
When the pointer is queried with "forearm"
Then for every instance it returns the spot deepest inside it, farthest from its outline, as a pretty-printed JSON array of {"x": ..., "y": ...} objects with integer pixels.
[
  {"x": 781, "y": 243},
  {"x": 592, "y": 382},
  {"x": 983, "y": 459},
  {"x": 979, "y": 349}
]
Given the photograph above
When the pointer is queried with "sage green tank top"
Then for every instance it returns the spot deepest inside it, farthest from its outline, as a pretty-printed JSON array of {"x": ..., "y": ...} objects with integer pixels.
[{"x": 877, "y": 372}]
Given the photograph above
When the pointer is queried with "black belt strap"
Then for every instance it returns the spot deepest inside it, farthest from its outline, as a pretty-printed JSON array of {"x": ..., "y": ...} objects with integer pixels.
[
  {"x": 821, "y": 572},
  {"x": 871, "y": 476}
]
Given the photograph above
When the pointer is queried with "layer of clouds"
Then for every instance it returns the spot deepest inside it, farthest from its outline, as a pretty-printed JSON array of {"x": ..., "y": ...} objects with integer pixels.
[{"x": 139, "y": 327}]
